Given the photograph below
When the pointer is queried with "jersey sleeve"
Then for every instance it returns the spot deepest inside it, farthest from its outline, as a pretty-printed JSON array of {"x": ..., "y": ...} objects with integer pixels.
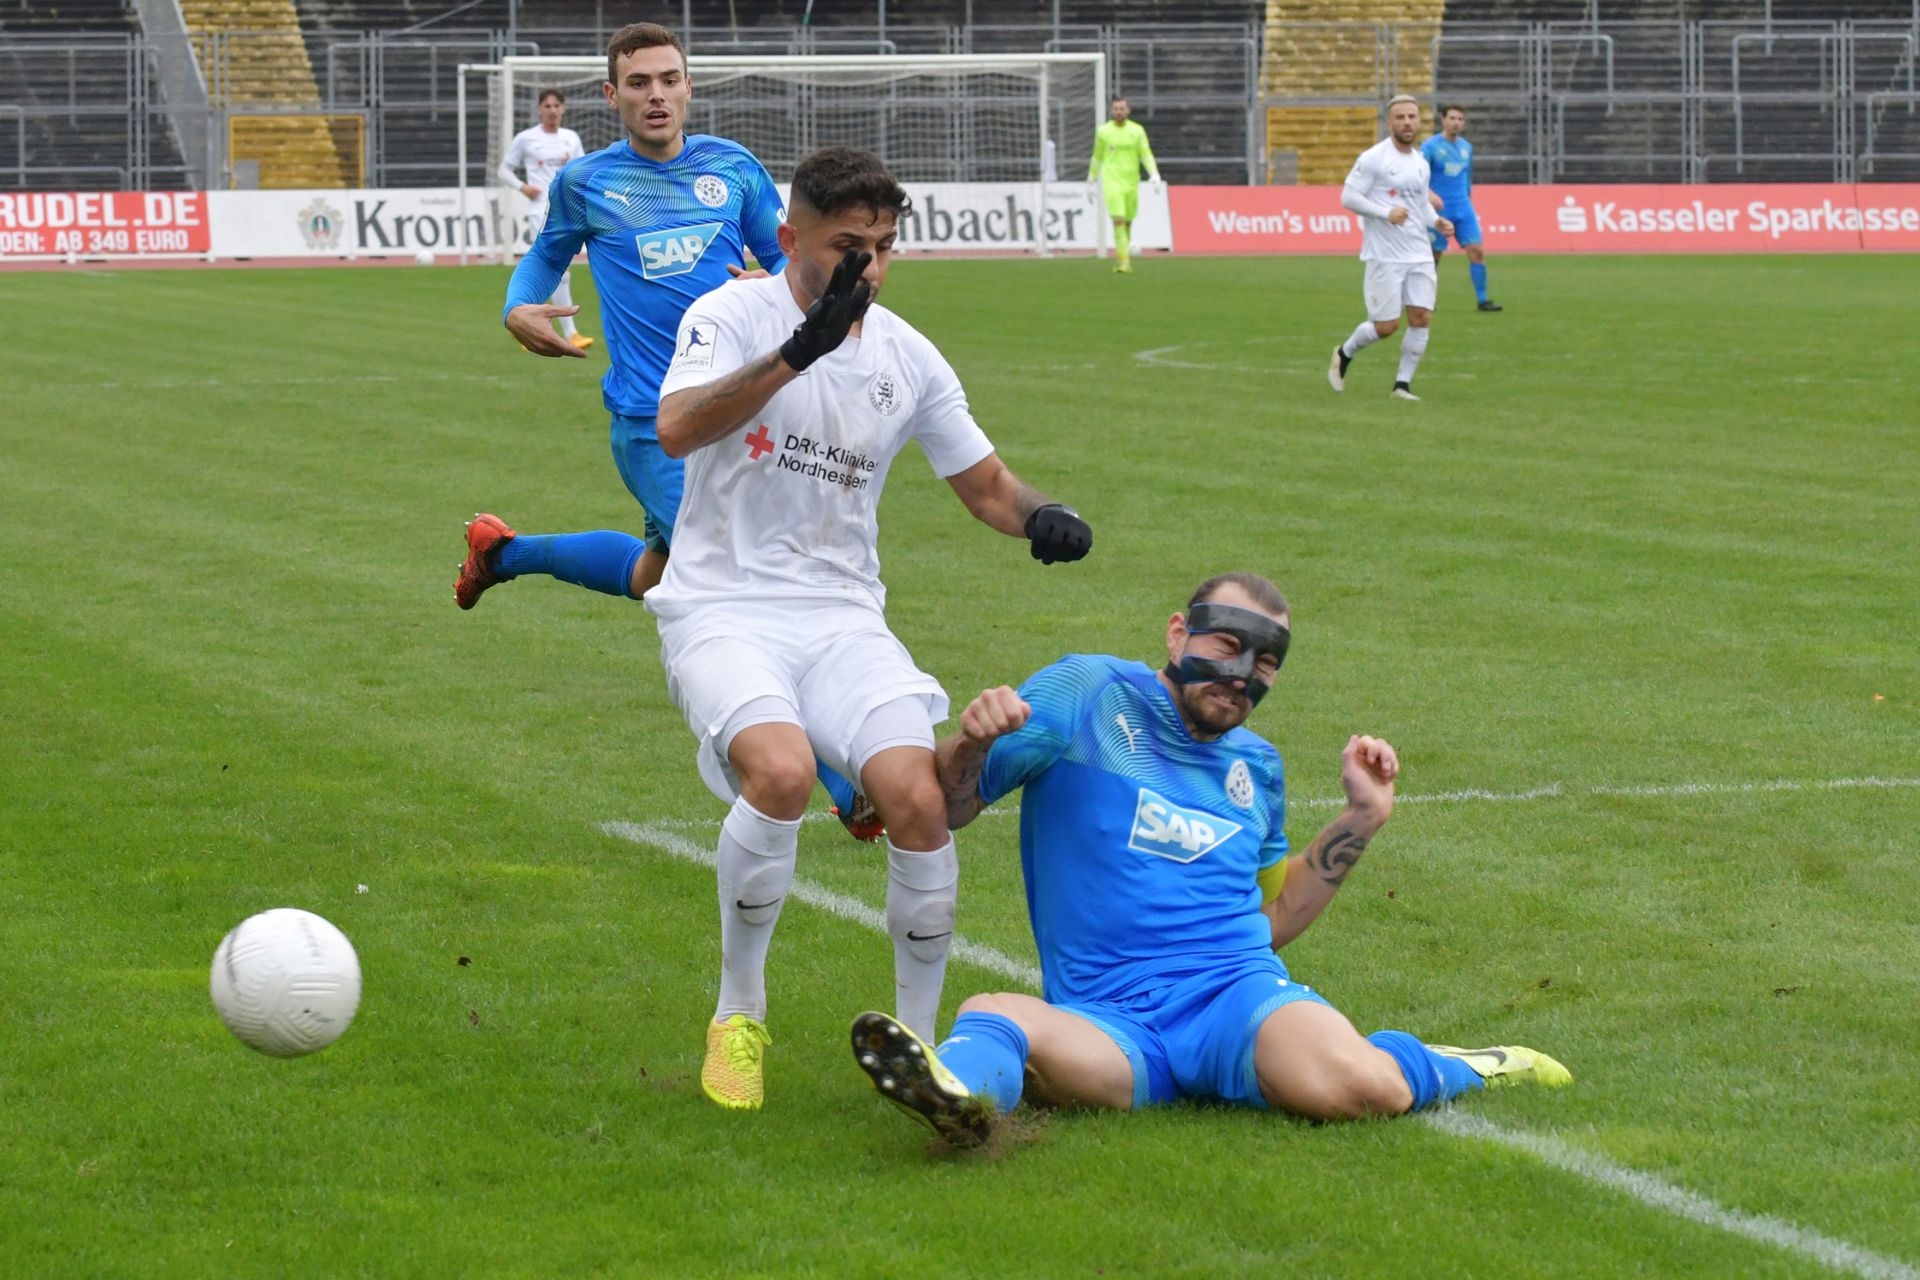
[
  {"x": 552, "y": 251},
  {"x": 761, "y": 214},
  {"x": 1146, "y": 157},
  {"x": 712, "y": 342},
  {"x": 1099, "y": 153},
  {"x": 942, "y": 422},
  {"x": 515, "y": 157},
  {"x": 1058, "y": 695},
  {"x": 1275, "y": 848}
]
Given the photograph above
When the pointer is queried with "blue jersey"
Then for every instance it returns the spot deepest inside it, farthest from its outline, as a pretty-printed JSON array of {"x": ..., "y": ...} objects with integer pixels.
[
  {"x": 658, "y": 235},
  {"x": 1140, "y": 845},
  {"x": 1452, "y": 178}
]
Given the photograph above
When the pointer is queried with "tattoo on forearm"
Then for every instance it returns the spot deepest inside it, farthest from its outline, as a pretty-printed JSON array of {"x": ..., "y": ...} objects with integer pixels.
[
  {"x": 1331, "y": 858},
  {"x": 959, "y": 776},
  {"x": 703, "y": 399}
]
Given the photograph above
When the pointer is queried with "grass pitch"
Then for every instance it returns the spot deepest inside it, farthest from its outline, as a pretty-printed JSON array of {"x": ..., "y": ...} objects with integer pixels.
[{"x": 1633, "y": 590}]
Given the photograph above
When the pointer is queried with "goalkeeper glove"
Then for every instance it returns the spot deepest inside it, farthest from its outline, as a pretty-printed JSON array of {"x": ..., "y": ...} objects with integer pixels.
[
  {"x": 1058, "y": 533},
  {"x": 831, "y": 314}
]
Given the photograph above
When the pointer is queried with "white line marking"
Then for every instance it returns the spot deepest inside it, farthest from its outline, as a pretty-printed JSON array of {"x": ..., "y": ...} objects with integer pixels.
[
  {"x": 659, "y": 837},
  {"x": 1644, "y": 1187},
  {"x": 175, "y": 384},
  {"x": 1659, "y": 1194}
]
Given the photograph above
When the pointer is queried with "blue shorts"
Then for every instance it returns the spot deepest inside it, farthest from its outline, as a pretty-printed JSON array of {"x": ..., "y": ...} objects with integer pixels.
[
  {"x": 1466, "y": 228},
  {"x": 1195, "y": 1039},
  {"x": 650, "y": 476}
]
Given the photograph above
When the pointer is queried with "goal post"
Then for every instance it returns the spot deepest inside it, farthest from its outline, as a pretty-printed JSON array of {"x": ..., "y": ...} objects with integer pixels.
[{"x": 947, "y": 118}]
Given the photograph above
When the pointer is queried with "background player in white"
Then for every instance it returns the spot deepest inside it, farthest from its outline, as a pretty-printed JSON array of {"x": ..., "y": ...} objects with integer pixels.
[
  {"x": 541, "y": 151},
  {"x": 789, "y": 396},
  {"x": 1388, "y": 189}
]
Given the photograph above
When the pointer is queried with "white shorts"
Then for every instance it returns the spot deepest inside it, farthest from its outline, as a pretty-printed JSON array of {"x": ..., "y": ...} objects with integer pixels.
[
  {"x": 831, "y": 663},
  {"x": 1391, "y": 287}
]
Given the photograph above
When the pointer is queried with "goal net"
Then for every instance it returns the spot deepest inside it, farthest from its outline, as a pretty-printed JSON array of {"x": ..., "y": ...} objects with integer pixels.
[{"x": 1019, "y": 119}]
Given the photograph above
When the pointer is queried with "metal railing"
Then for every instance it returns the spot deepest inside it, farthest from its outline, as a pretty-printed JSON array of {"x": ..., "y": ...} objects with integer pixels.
[{"x": 1590, "y": 100}]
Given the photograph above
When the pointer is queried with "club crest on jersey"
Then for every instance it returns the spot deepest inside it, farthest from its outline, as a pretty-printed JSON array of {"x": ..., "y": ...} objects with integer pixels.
[
  {"x": 710, "y": 190},
  {"x": 676, "y": 251},
  {"x": 1240, "y": 785},
  {"x": 884, "y": 394},
  {"x": 1175, "y": 832}
]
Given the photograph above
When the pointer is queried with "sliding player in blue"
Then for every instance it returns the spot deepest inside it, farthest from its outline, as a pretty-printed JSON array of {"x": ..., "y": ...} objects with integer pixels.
[
  {"x": 1160, "y": 888},
  {"x": 665, "y": 218},
  {"x": 1450, "y": 157}
]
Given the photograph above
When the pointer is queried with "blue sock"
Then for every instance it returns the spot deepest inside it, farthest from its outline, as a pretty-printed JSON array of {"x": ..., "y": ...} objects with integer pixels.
[
  {"x": 838, "y": 788},
  {"x": 1432, "y": 1076},
  {"x": 1478, "y": 270},
  {"x": 989, "y": 1054},
  {"x": 602, "y": 560}
]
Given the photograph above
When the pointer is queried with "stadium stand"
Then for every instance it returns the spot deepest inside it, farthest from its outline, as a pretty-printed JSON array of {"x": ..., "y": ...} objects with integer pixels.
[
  {"x": 261, "y": 76},
  {"x": 1330, "y": 54}
]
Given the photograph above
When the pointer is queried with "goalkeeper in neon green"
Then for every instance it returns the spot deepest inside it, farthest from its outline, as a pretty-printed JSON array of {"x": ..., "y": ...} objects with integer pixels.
[{"x": 1120, "y": 151}]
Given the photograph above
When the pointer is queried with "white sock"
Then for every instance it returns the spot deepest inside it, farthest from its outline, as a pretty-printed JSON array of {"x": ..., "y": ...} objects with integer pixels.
[
  {"x": 563, "y": 297},
  {"x": 921, "y": 907},
  {"x": 1412, "y": 347},
  {"x": 1365, "y": 336},
  {"x": 755, "y": 858}
]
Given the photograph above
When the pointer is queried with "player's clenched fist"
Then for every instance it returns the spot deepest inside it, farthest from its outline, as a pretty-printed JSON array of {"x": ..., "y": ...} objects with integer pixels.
[
  {"x": 1368, "y": 768},
  {"x": 995, "y": 713},
  {"x": 1058, "y": 533},
  {"x": 832, "y": 313}
]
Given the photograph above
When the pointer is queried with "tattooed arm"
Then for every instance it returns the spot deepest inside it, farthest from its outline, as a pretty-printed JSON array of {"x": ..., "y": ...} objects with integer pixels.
[
  {"x": 959, "y": 757},
  {"x": 696, "y": 416},
  {"x": 1368, "y": 768}
]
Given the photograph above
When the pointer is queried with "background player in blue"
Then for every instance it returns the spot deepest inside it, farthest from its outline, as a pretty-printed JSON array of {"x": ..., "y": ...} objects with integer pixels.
[
  {"x": 665, "y": 217},
  {"x": 1160, "y": 887},
  {"x": 1450, "y": 156}
]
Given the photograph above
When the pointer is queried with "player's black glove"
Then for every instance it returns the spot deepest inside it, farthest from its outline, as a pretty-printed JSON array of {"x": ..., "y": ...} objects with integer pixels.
[
  {"x": 831, "y": 314},
  {"x": 1058, "y": 533}
]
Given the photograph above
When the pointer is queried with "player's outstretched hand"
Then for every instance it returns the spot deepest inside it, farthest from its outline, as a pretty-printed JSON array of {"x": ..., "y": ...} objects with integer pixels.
[
  {"x": 832, "y": 313},
  {"x": 994, "y": 713},
  {"x": 1368, "y": 768},
  {"x": 532, "y": 324},
  {"x": 1058, "y": 533},
  {"x": 741, "y": 273}
]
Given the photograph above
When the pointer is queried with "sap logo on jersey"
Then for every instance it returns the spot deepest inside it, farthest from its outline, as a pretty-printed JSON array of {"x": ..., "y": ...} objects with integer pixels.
[
  {"x": 1167, "y": 830},
  {"x": 674, "y": 252}
]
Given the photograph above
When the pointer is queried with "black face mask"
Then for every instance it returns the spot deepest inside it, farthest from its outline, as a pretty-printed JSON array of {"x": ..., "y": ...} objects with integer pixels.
[{"x": 1258, "y": 635}]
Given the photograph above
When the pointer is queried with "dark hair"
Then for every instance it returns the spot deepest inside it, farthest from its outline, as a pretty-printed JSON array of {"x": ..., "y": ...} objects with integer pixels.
[
  {"x": 834, "y": 179},
  {"x": 640, "y": 35},
  {"x": 1264, "y": 593},
  {"x": 1119, "y": 97},
  {"x": 1452, "y": 107},
  {"x": 555, "y": 94}
]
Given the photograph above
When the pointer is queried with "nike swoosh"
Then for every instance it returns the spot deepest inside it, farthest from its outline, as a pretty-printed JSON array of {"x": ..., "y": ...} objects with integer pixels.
[
  {"x": 927, "y": 937},
  {"x": 754, "y": 906}
]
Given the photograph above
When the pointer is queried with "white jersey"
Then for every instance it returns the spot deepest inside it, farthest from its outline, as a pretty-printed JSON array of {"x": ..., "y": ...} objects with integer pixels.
[
  {"x": 541, "y": 154},
  {"x": 1389, "y": 176},
  {"x": 788, "y": 504}
]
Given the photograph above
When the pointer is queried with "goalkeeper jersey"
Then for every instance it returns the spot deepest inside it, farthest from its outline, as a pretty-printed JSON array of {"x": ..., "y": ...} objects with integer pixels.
[
  {"x": 1120, "y": 151},
  {"x": 1140, "y": 844},
  {"x": 658, "y": 234}
]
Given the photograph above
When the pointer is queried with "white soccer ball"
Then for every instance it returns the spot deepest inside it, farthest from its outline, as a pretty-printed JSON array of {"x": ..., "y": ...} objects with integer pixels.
[
  {"x": 286, "y": 982},
  {"x": 423, "y": 258}
]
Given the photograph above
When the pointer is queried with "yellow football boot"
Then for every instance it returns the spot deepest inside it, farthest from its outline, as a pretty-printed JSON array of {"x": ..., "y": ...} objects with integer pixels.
[
  {"x": 1510, "y": 1064},
  {"x": 736, "y": 1050}
]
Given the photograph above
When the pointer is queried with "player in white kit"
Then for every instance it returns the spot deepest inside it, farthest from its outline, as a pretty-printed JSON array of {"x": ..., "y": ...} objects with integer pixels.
[
  {"x": 540, "y": 151},
  {"x": 1388, "y": 189},
  {"x": 790, "y": 396}
]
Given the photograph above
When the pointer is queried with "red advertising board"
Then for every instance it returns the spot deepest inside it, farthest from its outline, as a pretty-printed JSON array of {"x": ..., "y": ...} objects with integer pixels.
[
  {"x": 1789, "y": 218},
  {"x": 51, "y": 223}
]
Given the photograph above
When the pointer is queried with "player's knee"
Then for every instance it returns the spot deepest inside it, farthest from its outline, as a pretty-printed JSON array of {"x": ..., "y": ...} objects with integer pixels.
[
  {"x": 1419, "y": 318},
  {"x": 1385, "y": 328},
  {"x": 777, "y": 783},
  {"x": 991, "y": 1002},
  {"x": 915, "y": 811}
]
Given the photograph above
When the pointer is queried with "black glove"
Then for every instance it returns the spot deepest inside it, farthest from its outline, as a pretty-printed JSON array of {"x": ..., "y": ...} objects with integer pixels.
[
  {"x": 831, "y": 314},
  {"x": 1058, "y": 533}
]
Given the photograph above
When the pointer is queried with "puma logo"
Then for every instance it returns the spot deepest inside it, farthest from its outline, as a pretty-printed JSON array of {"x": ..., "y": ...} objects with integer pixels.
[
  {"x": 1120, "y": 718},
  {"x": 615, "y": 195}
]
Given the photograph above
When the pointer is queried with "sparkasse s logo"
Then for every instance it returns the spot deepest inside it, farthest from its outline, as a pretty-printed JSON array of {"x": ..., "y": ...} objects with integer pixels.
[
  {"x": 675, "y": 251},
  {"x": 1571, "y": 217},
  {"x": 1174, "y": 832}
]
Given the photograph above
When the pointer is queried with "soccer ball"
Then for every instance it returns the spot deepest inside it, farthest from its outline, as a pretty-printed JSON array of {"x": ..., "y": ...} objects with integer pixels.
[
  {"x": 286, "y": 982},
  {"x": 423, "y": 258}
]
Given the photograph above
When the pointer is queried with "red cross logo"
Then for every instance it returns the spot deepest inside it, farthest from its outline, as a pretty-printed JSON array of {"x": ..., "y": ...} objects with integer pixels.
[{"x": 760, "y": 442}]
